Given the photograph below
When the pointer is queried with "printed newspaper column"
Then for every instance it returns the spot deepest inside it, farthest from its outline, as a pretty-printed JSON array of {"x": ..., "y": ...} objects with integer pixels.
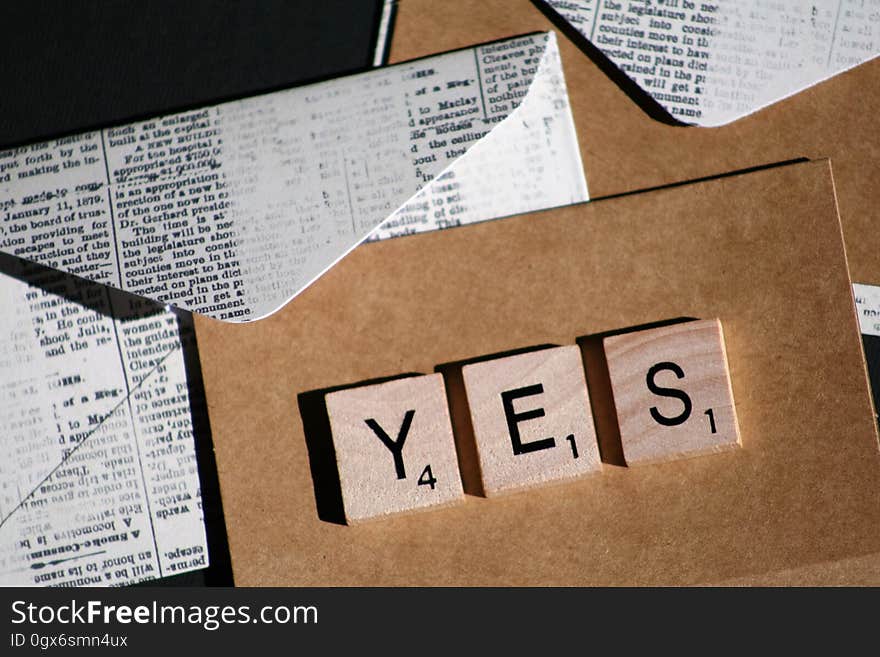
[
  {"x": 231, "y": 210},
  {"x": 163, "y": 425},
  {"x": 72, "y": 487},
  {"x": 81, "y": 498},
  {"x": 709, "y": 63}
]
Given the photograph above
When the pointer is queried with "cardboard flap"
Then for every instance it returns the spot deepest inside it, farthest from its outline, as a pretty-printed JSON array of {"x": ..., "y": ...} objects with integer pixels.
[{"x": 762, "y": 251}]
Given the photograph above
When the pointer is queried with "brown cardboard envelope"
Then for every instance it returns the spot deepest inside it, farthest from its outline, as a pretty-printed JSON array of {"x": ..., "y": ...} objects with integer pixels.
[
  {"x": 623, "y": 149},
  {"x": 761, "y": 251}
]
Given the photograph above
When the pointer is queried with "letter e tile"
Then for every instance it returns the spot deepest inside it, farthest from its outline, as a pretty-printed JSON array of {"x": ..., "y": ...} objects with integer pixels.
[{"x": 531, "y": 418}]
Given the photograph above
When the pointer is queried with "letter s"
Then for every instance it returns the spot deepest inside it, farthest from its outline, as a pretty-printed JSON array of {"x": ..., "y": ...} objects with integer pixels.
[
  {"x": 16, "y": 610},
  {"x": 668, "y": 392}
]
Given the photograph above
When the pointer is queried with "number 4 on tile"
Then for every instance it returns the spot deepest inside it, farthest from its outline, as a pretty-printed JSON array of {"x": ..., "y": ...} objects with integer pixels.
[{"x": 427, "y": 478}]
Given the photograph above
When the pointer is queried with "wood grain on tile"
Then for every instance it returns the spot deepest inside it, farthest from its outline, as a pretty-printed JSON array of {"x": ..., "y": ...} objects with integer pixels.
[
  {"x": 531, "y": 419},
  {"x": 672, "y": 391},
  {"x": 394, "y": 447}
]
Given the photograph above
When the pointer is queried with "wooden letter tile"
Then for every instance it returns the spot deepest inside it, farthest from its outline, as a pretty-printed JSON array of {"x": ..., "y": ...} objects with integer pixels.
[
  {"x": 672, "y": 391},
  {"x": 531, "y": 419},
  {"x": 394, "y": 447}
]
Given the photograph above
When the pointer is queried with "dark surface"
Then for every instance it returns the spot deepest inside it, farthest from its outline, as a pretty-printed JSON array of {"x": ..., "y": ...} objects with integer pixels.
[
  {"x": 72, "y": 66},
  {"x": 872, "y": 356}
]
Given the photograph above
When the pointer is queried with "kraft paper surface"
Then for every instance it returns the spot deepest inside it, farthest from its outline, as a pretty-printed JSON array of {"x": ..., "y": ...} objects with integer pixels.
[{"x": 761, "y": 251}]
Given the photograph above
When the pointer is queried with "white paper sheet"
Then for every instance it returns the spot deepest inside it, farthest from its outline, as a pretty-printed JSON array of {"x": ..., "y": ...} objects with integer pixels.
[
  {"x": 98, "y": 477},
  {"x": 868, "y": 308},
  {"x": 709, "y": 63},
  {"x": 233, "y": 209}
]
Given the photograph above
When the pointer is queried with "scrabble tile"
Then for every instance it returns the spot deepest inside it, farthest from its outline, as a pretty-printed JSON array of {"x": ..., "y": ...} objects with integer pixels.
[
  {"x": 531, "y": 419},
  {"x": 394, "y": 447},
  {"x": 672, "y": 391}
]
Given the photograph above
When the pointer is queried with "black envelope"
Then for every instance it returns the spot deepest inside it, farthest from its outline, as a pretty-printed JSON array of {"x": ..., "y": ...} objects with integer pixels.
[{"x": 75, "y": 65}]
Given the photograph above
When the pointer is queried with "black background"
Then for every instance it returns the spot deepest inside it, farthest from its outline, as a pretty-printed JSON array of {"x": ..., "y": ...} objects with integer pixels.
[
  {"x": 485, "y": 621},
  {"x": 67, "y": 66}
]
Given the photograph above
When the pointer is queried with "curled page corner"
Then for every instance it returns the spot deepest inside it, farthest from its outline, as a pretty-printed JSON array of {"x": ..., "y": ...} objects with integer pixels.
[
  {"x": 539, "y": 133},
  {"x": 524, "y": 160},
  {"x": 711, "y": 63},
  {"x": 231, "y": 210}
]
